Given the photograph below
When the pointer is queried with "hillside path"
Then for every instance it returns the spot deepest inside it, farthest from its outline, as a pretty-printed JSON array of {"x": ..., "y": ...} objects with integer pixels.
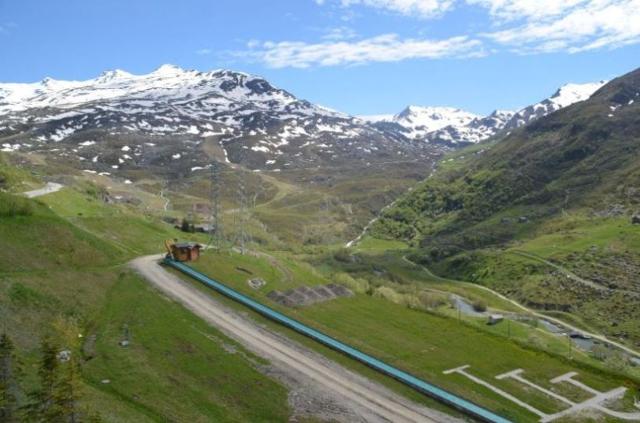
[{"x": 49, "y": 188}]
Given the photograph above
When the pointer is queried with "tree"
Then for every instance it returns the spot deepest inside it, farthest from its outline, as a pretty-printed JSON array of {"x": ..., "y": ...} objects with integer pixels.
[
  {"x": 43, "y": 407},
  {"x": 67, "y": 391},
  {"x": 185, "y": 226},
  {"x": 9, "y": 383}
]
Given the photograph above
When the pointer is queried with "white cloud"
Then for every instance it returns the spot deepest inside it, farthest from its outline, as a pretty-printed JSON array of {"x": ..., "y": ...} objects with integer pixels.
[
  {"x": 204, "y": 51},
  {"x": 339, "y": 33},
  {"x": 417, "y": 8},
  {"x": 571, "y": 26},
  {"x": 521, "y": 26},
  {"x": 382, "y": 48},
  {"x": 510, "y": 10}
]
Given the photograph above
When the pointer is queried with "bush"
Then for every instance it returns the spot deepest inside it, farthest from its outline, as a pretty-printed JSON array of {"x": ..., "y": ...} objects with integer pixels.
[
  {"x": 11, "y": 205},
  {"x": 432, "y": 300},
  {"x": 617, "y": 362},
  {"x": 96, "y": 191},
  {"x": 479, "y": 306},
  {"x": 186, "y": 226},
  {"x": 343, "y": 255},
  {"x": 356, "y": 285},
  {"x": 387, "y": 293},
  {"x": 390, "y": 294}
]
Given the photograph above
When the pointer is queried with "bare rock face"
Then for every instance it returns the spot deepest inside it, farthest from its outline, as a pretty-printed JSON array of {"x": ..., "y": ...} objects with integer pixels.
[{"x": 635, "y": 219}]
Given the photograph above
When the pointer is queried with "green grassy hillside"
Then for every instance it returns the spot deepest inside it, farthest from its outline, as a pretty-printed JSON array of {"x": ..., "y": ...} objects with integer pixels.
[
  {"x": 563, "y": 190},
  {"x": 425, "y": 340},
  {"x": 59, "y": 280}
]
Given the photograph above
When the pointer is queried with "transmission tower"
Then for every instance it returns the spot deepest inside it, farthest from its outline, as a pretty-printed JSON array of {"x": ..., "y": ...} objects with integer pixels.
[{"x": 215, "y": 221}]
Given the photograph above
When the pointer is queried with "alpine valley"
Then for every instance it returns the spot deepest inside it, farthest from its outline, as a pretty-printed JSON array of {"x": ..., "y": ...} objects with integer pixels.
[{"x": 435, "y": 245}]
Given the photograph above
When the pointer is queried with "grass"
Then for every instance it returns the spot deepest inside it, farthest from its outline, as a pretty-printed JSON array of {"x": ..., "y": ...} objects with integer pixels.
[
  {"x": 127, "y": 229},
  {"x": 14, "y": 178},
  {"x": 180, "y": 369},
  {"x": 55, "y": 274},
  {"x": 370, "y": 244},
  {"x": 11, "y": 205},
  {"x": 578, "y": 233},
  {"x": 429, "y": 343},
  {"x": 206, "y": 376},
  {"x": 43, "y": 241},
  {"x": 562, "y": 189}
]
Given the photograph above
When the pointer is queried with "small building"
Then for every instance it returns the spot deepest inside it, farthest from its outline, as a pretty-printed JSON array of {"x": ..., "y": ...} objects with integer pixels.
[
  {"x": 495, "y": 319},
  {"x": 186, "y": 251}
]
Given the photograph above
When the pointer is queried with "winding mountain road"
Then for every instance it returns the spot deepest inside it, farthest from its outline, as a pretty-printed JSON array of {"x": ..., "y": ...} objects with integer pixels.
[{"x": 369, "y": 401}]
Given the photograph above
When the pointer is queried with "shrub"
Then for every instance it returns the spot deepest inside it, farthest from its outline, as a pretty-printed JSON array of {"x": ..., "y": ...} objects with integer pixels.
[
  {"x": 356, "y": 285},
  {"x": 535, "y": 341},
  {"x": 617, "y": 362},
  {"x": 390, "y": 294},
  {"x": 432, "y": 300},
  {"x": 343, "y": 255},
  {"x": 387, "y": 293},
  {"x": 479, "y": 306}
]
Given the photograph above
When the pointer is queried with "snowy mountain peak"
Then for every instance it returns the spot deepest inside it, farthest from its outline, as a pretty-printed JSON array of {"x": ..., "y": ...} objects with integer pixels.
[
  {"x": 565, "y": 96},
  {"x": 431, "y": 113},
  {"x": 111, "y": 75},
  {"x": 502, "y": 113},
  {"x": 452, "y": 126},
  {"x": 419, "y": 121},
  {"x": 168, "y": 69},
  {"x": 167, "y": 83},
  {"x": 573, "y": 93}
]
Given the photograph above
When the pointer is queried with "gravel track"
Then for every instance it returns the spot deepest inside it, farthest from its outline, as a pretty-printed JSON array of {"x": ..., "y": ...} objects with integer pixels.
[{"x": 318, "y": 386}]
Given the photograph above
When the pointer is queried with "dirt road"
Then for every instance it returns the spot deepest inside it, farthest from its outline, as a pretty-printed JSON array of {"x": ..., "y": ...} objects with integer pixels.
[
  {"x": 343, "y": 395},
  {"x": 49, "y": 188}
]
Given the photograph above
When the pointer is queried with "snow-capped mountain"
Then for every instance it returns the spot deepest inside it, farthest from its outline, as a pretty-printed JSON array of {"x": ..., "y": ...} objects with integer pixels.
[
  {"x": 450, "y": 126},
  {"x": 565, "y": 96},
  {"x": 476, "y": 130},
  {"x": 179, "y": 119},
  {"x": 171, "y": 115},
  {"x": 415, "y": 122}
]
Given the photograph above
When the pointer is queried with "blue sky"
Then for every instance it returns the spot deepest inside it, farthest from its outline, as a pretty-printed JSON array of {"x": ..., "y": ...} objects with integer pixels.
[{"x": 357, "y": 56}]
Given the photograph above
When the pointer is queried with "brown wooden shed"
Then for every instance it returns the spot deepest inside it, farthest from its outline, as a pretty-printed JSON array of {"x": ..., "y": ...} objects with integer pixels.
[{"x": 186, "y": 251}]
